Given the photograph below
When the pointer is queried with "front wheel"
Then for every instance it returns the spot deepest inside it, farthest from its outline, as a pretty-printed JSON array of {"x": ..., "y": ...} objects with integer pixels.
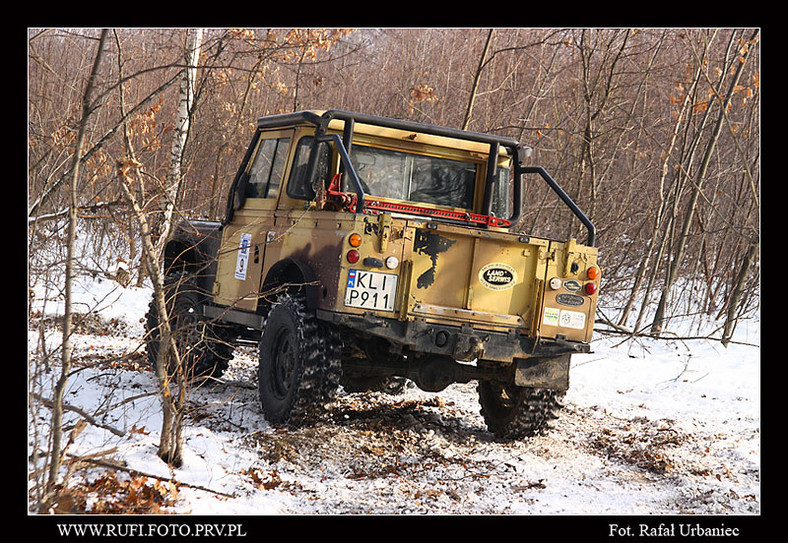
[
  {"x": 299, "y": 368},
  {"x": 203, "y": 349},
  {"x": 513, "y": 412}
]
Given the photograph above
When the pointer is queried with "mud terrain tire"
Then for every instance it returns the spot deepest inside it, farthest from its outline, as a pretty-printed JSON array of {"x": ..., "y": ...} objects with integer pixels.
[
  {"x": 300, "y": 364},
  {"x": 199, "y": 342},
  {"x": 513, "y": 412}
]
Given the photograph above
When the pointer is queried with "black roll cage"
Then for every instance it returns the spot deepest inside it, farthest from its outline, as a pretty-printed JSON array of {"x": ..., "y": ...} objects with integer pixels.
[{"x": 344, "y": 144}]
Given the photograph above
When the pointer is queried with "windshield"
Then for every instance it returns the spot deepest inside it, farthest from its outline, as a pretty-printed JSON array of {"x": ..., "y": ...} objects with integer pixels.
[{"x": 417, "y": 178}]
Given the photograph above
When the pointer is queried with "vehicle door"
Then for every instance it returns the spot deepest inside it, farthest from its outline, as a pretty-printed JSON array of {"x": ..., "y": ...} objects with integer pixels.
[{"x": 240, "y": 259}]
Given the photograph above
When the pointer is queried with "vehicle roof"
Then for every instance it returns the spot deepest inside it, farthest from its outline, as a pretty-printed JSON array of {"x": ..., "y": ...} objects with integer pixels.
[{"x": 385, "y": 126}]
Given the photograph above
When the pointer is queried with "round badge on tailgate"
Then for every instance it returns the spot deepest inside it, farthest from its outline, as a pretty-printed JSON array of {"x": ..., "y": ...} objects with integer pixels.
[
  {"x": 498, "y": 276},
  {"x": 572, "y": 286}
]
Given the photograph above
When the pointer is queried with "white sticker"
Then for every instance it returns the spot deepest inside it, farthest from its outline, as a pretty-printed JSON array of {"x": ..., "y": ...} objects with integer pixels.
[
  {"x": 572, "y": 319},
  {"x": 243, "y": 256},
  {"x": 551, "y": 316}
]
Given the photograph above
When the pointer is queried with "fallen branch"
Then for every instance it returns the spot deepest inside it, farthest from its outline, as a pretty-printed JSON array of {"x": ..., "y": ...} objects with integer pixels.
[
  {"x": 112, "y": 465},
  {"x": 86, "y": 212},
  {"x": 670, "y": 335},
  {"x": 87, "y": 417}
]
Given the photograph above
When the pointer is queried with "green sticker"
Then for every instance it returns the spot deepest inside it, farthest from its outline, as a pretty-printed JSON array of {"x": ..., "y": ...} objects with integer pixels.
[{"x": 551, "y": 316}]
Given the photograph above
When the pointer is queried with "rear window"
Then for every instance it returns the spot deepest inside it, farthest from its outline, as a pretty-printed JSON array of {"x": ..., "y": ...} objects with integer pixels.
[{"x": 416, "y": 178}]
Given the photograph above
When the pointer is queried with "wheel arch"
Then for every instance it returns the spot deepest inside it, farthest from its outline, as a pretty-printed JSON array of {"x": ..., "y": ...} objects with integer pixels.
[{"x": 296, "y": 273}]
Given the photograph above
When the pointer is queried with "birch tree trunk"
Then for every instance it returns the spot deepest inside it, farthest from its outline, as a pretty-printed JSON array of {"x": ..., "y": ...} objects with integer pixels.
[
  {"x": 180, "y": 135},
  {"x": 170, "y": 440}
]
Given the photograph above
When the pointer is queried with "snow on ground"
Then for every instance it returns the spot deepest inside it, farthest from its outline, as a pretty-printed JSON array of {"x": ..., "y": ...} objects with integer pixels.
[{"x": 648, "y": 427}]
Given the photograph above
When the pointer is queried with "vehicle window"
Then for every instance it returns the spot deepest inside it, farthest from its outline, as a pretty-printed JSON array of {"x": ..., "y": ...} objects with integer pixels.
[
  {"x": 266, "y": 172},
  {"x": 502, "y": 195},
  {"x": 405, "y": 176},
  {"x": 299, "y": 186}
]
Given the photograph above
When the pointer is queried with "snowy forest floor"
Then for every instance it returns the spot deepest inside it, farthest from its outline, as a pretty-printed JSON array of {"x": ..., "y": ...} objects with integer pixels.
[{"x": 649, "y": 427}]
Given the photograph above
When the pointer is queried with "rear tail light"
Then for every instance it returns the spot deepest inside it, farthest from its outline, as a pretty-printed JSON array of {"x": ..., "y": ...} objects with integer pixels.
[
  {"x": 590, "y": 288},
  {"x": 353, "y": 256}
]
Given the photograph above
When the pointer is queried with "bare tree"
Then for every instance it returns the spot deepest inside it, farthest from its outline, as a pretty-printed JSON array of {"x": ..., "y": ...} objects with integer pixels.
[
  {"x": 476, "y": 78},
  {"x": 129, "y": 176},
  {"x": 130, "y": 181},
  {"x": 737, "y": 63},
  {"x": 171, "y": 439},
  {"x": 658, "y": 217},
  {"x": 88, "y": 106}
]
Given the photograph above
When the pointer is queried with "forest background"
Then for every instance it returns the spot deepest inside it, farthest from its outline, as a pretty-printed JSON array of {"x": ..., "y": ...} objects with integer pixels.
[{"x": 655, "y": 133}]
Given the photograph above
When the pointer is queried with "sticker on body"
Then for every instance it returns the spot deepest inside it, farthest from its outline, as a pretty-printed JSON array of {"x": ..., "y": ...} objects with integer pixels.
[
  {"x": 564, "y": 318},
  {"x": 242, "y": 261}
]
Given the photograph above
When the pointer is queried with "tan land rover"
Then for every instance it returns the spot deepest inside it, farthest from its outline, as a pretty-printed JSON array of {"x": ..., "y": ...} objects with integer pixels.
[{"x": 359, "y": 251}]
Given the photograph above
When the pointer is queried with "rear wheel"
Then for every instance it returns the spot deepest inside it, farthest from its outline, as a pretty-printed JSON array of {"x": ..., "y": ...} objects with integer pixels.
[
  {"x": 299, "y": 368},
  {"x": 513, "y": 412}
]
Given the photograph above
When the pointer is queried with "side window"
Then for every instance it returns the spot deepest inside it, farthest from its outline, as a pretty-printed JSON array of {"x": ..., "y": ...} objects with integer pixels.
[
  {"x": 278, "y": 167},
  {"x": 266, "y": 172},
  {"x": 502, "y": 195}
]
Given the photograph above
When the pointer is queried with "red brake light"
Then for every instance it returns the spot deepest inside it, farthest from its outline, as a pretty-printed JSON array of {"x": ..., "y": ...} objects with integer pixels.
[
  {"x": 590, "y": 288},
  {"x": 352, "y": 256}
]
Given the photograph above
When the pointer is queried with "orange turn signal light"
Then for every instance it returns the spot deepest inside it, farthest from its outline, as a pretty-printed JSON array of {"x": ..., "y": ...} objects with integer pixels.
[
  {"x": 354, "y": 240},
  {"x": 593, "y": 272}
]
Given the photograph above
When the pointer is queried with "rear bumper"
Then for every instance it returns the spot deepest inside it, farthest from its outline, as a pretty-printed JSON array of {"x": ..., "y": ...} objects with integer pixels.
[{"x": 464, "y": 343}]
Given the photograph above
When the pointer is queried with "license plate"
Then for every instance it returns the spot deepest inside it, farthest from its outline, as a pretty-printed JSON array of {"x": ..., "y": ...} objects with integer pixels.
[{"x": 371, "y": 290}]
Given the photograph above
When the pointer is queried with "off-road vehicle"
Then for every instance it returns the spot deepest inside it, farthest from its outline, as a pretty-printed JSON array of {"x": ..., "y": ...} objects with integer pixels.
[{"x": 359, "y": 251}]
